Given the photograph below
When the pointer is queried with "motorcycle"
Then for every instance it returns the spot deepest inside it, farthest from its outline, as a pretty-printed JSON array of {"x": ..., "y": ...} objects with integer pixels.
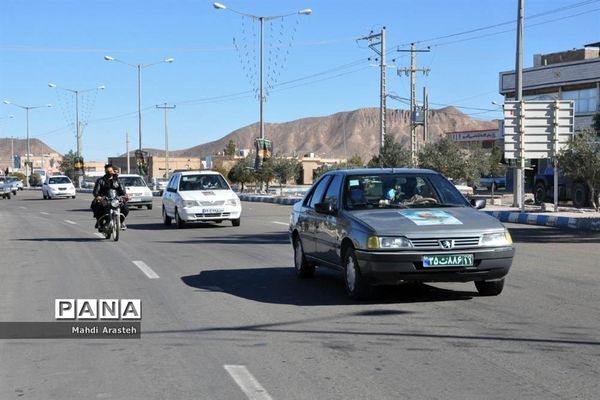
[{"x": 110, "y": 223}]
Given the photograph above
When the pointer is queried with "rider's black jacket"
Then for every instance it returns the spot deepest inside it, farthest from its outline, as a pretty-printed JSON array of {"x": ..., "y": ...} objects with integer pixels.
[{"x": 107, "y": 182}]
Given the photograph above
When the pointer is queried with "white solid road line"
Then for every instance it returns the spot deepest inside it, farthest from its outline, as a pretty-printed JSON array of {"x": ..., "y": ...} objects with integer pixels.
[
  {"x": 280, "y": 223},
  {"x": 68, "y": 221},
  {"x": 146, "y": 269},
  {"x": 247, "y": 382}
]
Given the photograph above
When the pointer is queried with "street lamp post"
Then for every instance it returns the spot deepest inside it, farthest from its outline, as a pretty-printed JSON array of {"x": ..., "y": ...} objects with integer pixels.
[
  {"x": 261, "y": 19},
  {"x": 139, "y": 68},
  {"x": 77, "y": 125},
  {"x": 27, "y": 108}
]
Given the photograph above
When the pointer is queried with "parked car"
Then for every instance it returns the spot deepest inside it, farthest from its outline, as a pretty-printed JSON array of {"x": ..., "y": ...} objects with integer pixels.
[
  {"x": 137, "y": 190},
  {"x": 58, "y": 186},
  {"x": 88, "y": 183},
  {"x": 200, "y": 196},
  {"x": 386, "y": 226},
  {"x": 10, "y": 184}
]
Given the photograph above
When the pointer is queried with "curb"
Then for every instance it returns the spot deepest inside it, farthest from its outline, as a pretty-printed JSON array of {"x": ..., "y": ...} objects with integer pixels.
[
  {"x": 266, "y": 199},
  {"x": 582, "y": 224}
]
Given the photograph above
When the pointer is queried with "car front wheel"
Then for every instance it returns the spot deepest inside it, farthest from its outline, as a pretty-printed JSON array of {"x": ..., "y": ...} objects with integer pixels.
[
  {"x": 304, "y": 269},
  {"x": 357, "y": 287},
  {"x": 166, "y": 219},
  {"x": 490, "y": 288},
  {"x": 178, "y": 221},
  {"x": 236, "y": 222}
]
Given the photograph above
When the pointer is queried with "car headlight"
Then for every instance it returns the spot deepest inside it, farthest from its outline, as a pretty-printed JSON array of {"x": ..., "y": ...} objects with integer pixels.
[
  {"x": 376, "y": 242},
  {"x": 190, "y": 203},
  {"x": 496, "y": 239},
  {"x": 232, "y": 202}
]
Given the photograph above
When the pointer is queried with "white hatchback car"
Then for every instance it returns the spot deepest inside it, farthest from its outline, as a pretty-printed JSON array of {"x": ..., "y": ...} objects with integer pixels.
[
  {"x": 137, "y": 190},
  {"x": 58, "y": 186},
  {"x": 200, "y": 196}
]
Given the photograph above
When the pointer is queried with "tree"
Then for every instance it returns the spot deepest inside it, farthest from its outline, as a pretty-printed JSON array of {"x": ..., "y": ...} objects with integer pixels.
[
  {"x": 67, "y": 166},
  {"x": 392, "y": 155},
  {"x": 229, "y": 150},
  {"x": 581, "y": 160},
  {"x": 496, "y": 166},
  {"x": 444, "y": 157},
  {"x": 242, "y": 172},
  {"x": 355, "y": 161},
  {"x": 285, "y": 169},
  {"x": 265, "y": 173},
  {"x": 597, "y": 123}
]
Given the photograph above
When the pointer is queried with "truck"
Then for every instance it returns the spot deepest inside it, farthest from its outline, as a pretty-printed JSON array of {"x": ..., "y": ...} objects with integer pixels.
[{"x": 569, "y": 189}]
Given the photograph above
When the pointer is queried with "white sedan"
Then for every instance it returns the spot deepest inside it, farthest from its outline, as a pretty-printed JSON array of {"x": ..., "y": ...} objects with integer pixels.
[
  {"x": 200, "y": 196},
  {"x": 58, "y": 186}
]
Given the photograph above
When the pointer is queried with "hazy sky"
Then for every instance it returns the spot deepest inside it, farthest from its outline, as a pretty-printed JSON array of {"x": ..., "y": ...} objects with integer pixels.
[{"x": 315, "y": 66}]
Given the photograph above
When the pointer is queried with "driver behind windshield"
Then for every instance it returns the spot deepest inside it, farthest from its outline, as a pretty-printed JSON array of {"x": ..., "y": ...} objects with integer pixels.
[{"x": 103, "y": 185}]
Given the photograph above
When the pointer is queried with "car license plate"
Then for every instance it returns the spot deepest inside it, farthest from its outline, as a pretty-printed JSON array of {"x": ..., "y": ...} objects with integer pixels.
[
  {"x": 212, "y": 210},
  {"x": 448, "y": 260},
  {"x": 134, "y": 199}
]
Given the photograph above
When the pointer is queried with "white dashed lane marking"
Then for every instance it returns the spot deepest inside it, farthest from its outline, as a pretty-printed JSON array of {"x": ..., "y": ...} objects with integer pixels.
[
  {"x": 100, "y": 235},
  {"x": 247, "y": 382},
  {"x": 44, "y": 213},
  {"x": 68, "y": 221},
  {"x": 146, "y": 269},
  {"x": 280, "y": 223}
]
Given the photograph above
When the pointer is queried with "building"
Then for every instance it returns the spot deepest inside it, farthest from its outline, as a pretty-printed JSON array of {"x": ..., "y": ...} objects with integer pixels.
[
  {"x": 157, "y": 165},
  {"x": 567, "y": 75},
  {"x": 487, "y": 138}
]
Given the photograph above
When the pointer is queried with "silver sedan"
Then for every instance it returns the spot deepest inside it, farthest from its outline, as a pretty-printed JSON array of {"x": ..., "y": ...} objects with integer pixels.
[{"x": 387, "y": 226}]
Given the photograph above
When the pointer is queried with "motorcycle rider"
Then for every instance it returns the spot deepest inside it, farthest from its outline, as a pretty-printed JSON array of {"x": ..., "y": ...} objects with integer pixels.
[{"x": 109, "y": 181}]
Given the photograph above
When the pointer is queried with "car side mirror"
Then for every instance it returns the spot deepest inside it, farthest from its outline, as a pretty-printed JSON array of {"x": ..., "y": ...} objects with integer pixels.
[
  {"x": 325, "y": 208},
  {"x": 478, "y": 204},
  {"x": 170, "y": 189}
]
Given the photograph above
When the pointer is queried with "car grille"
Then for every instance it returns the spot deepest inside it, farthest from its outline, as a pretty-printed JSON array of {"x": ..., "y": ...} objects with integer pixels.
[
  {"x": 214, "y": 215},
  {"x": 459, "y": 243},
  {"x": 212, "y": 203}
]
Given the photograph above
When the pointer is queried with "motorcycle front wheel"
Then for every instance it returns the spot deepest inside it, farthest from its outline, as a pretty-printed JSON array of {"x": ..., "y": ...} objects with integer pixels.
[{"x": 116, "y": 226}]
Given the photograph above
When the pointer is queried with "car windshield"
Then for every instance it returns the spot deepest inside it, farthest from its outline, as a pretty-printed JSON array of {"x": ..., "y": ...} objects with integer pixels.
[
  {"x": 202, "y": 182},
  {"x": 58, "y": 180},
  {"x": 129, "y": 181},
  {"x": 400, "y": 191}
]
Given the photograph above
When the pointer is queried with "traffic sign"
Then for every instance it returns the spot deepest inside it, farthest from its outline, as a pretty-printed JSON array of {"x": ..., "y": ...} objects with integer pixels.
[{"x": 540, "y": 129}]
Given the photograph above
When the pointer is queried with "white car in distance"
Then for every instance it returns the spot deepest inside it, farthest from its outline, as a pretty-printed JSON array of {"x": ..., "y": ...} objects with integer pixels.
[
  {"x": 137, "y": 190},
  {"x": 57, "y": 186},
  {"x": 200, "y": 196}
]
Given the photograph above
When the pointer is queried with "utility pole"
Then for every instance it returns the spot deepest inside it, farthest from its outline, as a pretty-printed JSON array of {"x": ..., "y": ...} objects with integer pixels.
[
  {"x": 520, "y": 178},
  {"x": 413, "y": 96},
  {"x": 127, "y": 152},
  {"x": 166, "y": 107},
  {"x": 425, "y": 115},
  {"x": 378, "y": 39}
]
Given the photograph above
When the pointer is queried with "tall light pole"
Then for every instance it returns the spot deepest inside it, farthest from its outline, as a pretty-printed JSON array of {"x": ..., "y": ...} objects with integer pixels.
[
  {"x": 76, "y": 93},
  {"x": 27, "y": 108},
  {"x": 166, "y": 107},
  {"x": 262, "y": 19},
  {"x": 139, "y": 68}
]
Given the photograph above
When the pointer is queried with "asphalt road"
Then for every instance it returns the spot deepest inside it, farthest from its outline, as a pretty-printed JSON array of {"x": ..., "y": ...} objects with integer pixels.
[{"x": 225, "y": 318}]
